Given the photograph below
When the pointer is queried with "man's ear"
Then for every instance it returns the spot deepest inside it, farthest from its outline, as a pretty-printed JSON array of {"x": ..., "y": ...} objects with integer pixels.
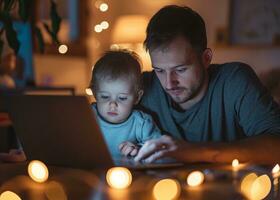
[
  {"x": 207, "y": 57},
  {"x": 139, "y": 95}
]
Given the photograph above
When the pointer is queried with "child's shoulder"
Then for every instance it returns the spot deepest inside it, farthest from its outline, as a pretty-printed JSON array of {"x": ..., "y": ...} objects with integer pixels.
[{"x": 141, "y": 115}]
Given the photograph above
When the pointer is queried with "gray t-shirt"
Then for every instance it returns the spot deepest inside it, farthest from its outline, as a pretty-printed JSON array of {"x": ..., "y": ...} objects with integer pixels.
[
  {"x": 235, "y": 106},
  {"x": 138, "y": 128}
]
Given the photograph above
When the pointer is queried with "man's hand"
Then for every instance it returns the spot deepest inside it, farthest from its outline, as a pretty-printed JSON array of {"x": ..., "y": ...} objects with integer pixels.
[
  {"x": 162, "y": 147},
  {"x": 128, "y": 148}
]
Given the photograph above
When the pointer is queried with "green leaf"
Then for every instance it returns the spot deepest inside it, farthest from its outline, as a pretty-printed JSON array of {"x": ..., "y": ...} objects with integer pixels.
[
  {"x": 1, "y": 47},
  {"x": 40, "y": 39},
  {"x": 55, "y": 19},
  {"x": 51, "y": 33},
  {"x": 11, "y": 34},
  {"x": 25, "y": 9},
  {"x": 8, "y": 4}
]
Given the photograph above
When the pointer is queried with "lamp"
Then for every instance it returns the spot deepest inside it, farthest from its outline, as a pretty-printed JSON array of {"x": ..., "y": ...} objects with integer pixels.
[{"x": 129, "y": 32}]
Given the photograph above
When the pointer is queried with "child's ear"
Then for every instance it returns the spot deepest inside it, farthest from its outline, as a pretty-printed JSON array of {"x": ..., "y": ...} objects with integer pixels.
[{"x": 139, "y": 95}]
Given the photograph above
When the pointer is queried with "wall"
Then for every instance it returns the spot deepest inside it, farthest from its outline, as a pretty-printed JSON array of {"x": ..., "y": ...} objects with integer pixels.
[{"x": 76, "y": 71}]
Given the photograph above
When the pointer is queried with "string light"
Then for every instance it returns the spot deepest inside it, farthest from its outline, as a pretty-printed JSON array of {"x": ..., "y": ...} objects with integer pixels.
[
  {"x": 63, "y": 49},
  {"x": 98, "y": 28},
  {"x": 104, "y": 24},
  {"x": 103, "y": 7}
]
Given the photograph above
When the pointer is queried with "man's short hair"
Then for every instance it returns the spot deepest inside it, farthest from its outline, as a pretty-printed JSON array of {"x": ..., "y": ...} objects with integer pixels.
[
  {"x": 119, "y": 64},
  {"x": 173, "y": 21}
]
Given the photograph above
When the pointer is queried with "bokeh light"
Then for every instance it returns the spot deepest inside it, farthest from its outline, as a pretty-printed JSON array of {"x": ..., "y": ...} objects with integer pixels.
[
  {"x": 103, "y": 7},
  {"x": 235, "y": 163},
  {"x": 119, "y": 177},
  {"x": 38, "y": 171},
  {"x": 166, "y": 189},
  {"x": 9, "y": 195},
  {"x": 260, "y": 187},
  {"x": 62, "y": 49},
  {"x": 195, "y": 178}
]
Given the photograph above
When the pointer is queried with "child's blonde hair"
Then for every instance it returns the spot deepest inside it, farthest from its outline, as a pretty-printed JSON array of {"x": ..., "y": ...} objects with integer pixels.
[{"x": 113, "y": 65}]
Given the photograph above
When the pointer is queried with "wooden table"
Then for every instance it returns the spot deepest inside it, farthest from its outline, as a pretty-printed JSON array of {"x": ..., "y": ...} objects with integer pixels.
[{"x": 76, "y": 184}]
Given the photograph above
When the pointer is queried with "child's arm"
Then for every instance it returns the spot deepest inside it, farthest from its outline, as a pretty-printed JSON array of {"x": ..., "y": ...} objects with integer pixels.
[{"x": 128, "y": 148}]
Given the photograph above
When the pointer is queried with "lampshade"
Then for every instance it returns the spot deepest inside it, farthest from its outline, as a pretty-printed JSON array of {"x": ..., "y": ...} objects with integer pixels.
[{"x": 129, "y": 29}]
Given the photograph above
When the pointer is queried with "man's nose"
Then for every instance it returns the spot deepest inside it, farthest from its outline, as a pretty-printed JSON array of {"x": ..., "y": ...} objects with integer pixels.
[{"x": 171, "y": 80}]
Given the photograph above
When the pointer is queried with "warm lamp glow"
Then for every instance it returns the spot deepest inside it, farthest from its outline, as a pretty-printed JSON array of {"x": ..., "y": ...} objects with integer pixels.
[
  {"x": 195, "y": 178},
  {"x": 130, "y": 29},
  {"x": 119, "y": 177},
  {"x": 62, "y": 49},
  {"x": 89, "y": 92},
  {"x": 246, "y": 184},
  {"x": 9, "y": 195},
  {"x": 166, "y": 189},
  {"x": 235, "y": 163},
  {"x": 261, "y": 187},
  {"x": 275, "y": 170},
  {"x": 98, "y": 28},
  {"x": 38, "y": 171},
  {"x": 104, "y": 24},
  {"x": 254, "y": 187},
  {"x": 103, "y": 7}
]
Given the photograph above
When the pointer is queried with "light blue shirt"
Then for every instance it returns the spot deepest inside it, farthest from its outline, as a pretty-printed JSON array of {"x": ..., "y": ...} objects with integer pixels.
[{"x": 138, "y": 128}]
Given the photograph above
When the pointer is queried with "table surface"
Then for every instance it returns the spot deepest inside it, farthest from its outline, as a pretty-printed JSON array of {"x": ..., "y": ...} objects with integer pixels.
[{"x": 68, "y": 184}]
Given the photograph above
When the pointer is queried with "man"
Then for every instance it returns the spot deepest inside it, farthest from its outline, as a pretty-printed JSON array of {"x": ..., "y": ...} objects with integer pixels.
[{"x": 214, "y": 113}]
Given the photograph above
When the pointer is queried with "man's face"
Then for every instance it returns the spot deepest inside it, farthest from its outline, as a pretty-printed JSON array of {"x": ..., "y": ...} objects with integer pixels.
[
  {"x": 115, "y": 100},
  {"x": 180, "y": 71}
]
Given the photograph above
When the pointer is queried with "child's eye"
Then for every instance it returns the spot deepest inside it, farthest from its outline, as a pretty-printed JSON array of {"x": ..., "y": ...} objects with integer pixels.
[
  {"x": 123, "y": 98},
  {"x": 158, "y": 70},
  {"x": 104, "y": 97}
]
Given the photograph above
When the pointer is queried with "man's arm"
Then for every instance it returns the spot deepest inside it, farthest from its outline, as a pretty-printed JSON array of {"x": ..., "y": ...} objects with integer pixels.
[{"x": 261, "y": 149}]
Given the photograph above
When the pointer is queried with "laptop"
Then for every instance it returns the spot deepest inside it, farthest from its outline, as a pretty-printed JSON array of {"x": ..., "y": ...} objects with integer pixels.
[{"x": 63, "y": 131}]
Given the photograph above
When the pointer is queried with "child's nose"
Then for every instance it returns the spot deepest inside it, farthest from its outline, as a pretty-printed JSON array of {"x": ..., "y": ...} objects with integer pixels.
[{"x": 113, "y": 104}]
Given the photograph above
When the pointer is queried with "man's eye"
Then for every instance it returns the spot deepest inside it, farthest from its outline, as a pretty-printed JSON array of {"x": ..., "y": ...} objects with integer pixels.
[
  {"x": 181, "y": 70},
  {"x": 123, "y": 98}
]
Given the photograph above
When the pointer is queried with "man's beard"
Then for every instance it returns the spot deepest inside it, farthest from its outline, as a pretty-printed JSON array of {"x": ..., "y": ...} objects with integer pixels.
[{"x": 187, "y": 93}]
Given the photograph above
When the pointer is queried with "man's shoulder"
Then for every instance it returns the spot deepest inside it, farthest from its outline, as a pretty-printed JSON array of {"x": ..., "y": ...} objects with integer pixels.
[
  {"x": 231, "y": 70},
  {"x": 229, "y": 67}
]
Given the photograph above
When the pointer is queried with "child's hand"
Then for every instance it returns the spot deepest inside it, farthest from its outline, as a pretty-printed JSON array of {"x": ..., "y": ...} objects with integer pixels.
[
  {"x": 14, "y": 155},
  {"x": 128, "y": 148}
]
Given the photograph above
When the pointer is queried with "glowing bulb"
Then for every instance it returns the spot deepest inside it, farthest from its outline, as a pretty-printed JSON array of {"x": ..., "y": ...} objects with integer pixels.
[
  {"x": 62, "y": 49},
  {"x": 104, "y": 24},
  {"x": 235, "y": 163},
  {"x": 38, "y": 171},
  {"x": 103, "y": 7},
  {"x": 166, "y": 189},
  {"x": 89, "y": 92},
  {"x": 98, "y": 28},
  {"x": 195, "y": 178},
  {"x": 119, "y": 177},
  {"x": 9, "y": 195},
  {"x": 114, "y": 47},
  {"x": 260, "y": 187},
  {"x": 246, "y": 184},
  {"x": 275, "y": 171}
]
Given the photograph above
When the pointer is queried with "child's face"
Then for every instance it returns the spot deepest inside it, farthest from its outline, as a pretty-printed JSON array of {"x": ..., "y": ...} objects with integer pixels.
[{"x": 115, "y": 100}]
